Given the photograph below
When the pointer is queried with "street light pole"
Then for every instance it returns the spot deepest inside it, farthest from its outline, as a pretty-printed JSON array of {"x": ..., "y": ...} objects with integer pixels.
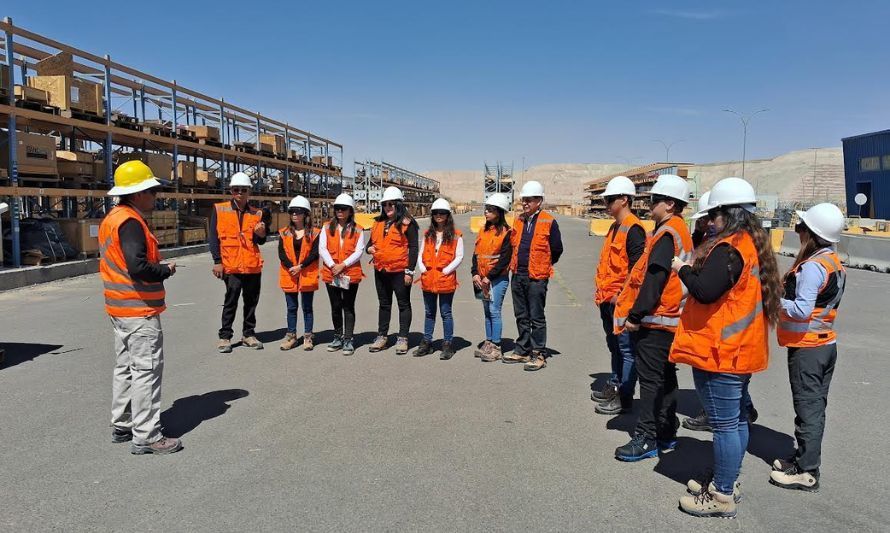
[
  {"x": 745, "y": 119},
  {"x": 667, "y": 148}
]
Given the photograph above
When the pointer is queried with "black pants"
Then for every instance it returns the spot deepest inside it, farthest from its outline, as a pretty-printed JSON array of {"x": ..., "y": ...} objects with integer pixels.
[
  {"x": 343, "y": 308},
  {"x": 658, "y": 384},
  {"x": 810, "y": 371},
  {"x": 388, "y": 283},
  {"x": 236, "y": 284},
  {"x": 529, "y": 299}
]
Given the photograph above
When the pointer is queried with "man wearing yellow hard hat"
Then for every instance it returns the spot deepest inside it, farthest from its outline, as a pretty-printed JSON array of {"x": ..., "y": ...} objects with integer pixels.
[{"x": 133, "y": 278}]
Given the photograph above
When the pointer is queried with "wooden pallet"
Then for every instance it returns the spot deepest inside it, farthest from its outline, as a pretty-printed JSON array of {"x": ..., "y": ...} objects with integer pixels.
[
  {"x": 210, "y": 142},
  {"x": 125, "y": 121},
  {"x": 35, "y": 258},
  {"x": 158, "y": 130},
  {"x": 186, "y": 135},
  {"x": 80, "y": 114},
  {"x": 34, "y": 105},
  {"x": 245, "y": 148}
]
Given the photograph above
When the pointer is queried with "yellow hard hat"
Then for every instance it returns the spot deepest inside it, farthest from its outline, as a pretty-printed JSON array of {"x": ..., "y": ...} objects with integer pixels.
[{"x": 132, "y": 177}]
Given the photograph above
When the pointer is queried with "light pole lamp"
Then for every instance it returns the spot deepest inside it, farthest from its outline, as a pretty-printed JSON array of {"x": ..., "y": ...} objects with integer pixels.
[
  {"x": 667, "y": 148},
  {"x": 745, "y": 120}
]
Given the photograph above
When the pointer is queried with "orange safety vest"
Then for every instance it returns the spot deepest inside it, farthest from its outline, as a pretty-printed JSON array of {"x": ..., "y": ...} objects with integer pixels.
[
  {"x": 391, "y": 249},
  {"x": 488, "y": 249},
  {"x": 433, "y": 280},
  {"x": 731, "y": 334},
  {"x": 614, "y": 267},
  {"x": 540, "y": 264},
  {"x": 240, "y": 255},
  {"x": 124, "y": 296},
  {"x": 666, "y": 315},
  {"x": 307, "y": 279},
  {"x": 818, "y": 330},
  {"x": 340, "y": 252}
]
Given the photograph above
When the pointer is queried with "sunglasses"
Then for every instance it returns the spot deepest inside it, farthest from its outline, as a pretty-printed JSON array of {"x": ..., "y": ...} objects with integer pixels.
[
  {"x": 714, "y": 213},
  {"x": 658, "y": 199},
  {"x": 440, "y": 212},
  {"x": 800, "y": 227},
  {"x": 530, "y": 199},
  {"x": 388, "y": 204},
  {"x": 491, "y": 209},
  {"x": 341, "y": 208},
  {"x": 239, "y": 190},
  {"x": 610, "y": 199},
  {"x": 298, "y": 211}
]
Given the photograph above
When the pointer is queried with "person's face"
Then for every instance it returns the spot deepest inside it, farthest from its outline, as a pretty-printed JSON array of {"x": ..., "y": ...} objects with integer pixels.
[
  {"x": 440, "y": 216},
  {"x": 240, "y": 194},
  {"x": 341, "y": 212},
  {"x": 531, "y": 204},
  {"x": 660, "y": 208},
  {"x": 718, "y": 220},
  {"x": 491, "y": 213},
  {"x": 297, "y": 215},
  {"x": 389, "y": 209},
  {"x": 614, "y": 205},
  {"x": 144, "y": 201},
  {"x": 802, "y": 233}
]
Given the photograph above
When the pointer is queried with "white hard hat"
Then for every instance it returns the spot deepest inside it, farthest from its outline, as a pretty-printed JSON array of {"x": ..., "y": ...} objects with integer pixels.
[
  {"x": 299, "y": 201},
  {"x": 704, "y": 205},
  {"x": 732, "y": 191},
  {"x": 826, "y": 220},
  {"x": 499, "y": 199},
  {"x": 441, "y": 204},
  {"x": 392, "y": 193},
  {"x": 532, "y": 188},
  {"x": 344, "y": 199},
  {"x": 671, "y": 186},
  {"x": 240, "y": 179},
  {"x": 620, "y": 185}
]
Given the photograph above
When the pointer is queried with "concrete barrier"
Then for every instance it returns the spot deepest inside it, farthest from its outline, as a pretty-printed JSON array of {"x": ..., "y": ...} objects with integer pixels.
[{"x": 870, "y": 253}]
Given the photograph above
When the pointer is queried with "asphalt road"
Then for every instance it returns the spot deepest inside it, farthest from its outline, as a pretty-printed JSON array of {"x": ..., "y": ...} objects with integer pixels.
[{"x": 317, "y": 441}]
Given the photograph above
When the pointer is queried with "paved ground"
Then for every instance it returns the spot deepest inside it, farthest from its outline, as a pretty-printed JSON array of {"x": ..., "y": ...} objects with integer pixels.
[{"x": 317, "y": 441}]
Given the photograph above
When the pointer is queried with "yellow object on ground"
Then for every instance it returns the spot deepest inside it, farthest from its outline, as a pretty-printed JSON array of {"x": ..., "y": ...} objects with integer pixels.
[
  {"x": 365, "y": 220},
  {"x": 478, "y": 222},
  {"x": 776, "y": 235},
  {"x": 600, "y": 226}
]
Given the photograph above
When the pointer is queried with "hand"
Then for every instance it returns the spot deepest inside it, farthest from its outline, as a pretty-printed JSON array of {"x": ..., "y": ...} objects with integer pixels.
[
  {"x": 409, "y": 279},
  {"x": 372, "y": 250},
  {"x": 260, "y": 229},
  {"x": 339, "y": 267},
  {"x": 614, "y": 300},
  {"x": 486, "y": 283},
  {"x": 172, "y": 266},
  {"x": 630, "y": 326},
  {"x": 477, "y": 281},
  {"x": 294, "y": 270},
  {"x": 218, "y": 271},
  {"x": 677, "y": 264}
]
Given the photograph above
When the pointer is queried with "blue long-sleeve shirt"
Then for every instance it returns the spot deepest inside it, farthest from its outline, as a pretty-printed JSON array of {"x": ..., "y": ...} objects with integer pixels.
[
  {"x": 810, "y": 279},
  {"x": 525, "y": 243}
]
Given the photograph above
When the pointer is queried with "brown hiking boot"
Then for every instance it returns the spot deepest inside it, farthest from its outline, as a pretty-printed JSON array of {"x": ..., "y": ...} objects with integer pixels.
[
  {"x": 289, "y": 342},
  {"x": 224, "y": 346},
  {"x": 160, "y": 447},
  {"x": 515, "y": 357},
  {"x": 378, "y": 344},
  {"x": 484, "y": 349},
  {"x": 795, "y": 478},
  {"x": 252, "y": 342},
  {"x": 493, "y": 353},
  {"x": 709, "y": 504},
  {"x": 536, "y": 362},
  {"x": 401, "y": 345},
  {"x": 308, "y": 345}
]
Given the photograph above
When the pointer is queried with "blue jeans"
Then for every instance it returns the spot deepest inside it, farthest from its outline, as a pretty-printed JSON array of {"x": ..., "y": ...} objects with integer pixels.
[
  {"x": 494, "y": 324},
  {"x": 444, "y": 304},
  {"x": 723, "y": 398},
  {"x": 621, "y": 347},
  {"x": 292, "y": 300}
]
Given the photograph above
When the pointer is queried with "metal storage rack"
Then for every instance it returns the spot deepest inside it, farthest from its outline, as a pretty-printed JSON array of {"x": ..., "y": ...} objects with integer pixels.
[
  {"x": 642, "y": 177},
  {"x": 372, "y": 177},
  {"x": 498, "y": 178},
  {"x": 309, "y": 164}
]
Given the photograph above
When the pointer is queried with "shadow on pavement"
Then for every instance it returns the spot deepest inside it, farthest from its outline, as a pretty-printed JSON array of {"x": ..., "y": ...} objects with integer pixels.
[
  {"x": 271, "y": 336},
  {"x": 687, "y": 402},
  {"x": 689, "y": 460},
  {"x": 20, "y": 352},
  {"x": 457, "y": 344},
  {"x": 188, "y": 413},
  {"x": 768, "y": 444},
  {"x": 599, "y": 380},
  {"x": 626, "y": 422}
]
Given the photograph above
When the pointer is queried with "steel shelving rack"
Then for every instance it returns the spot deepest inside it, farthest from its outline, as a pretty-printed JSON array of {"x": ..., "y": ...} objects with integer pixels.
[{"x": 371, "y": 177}]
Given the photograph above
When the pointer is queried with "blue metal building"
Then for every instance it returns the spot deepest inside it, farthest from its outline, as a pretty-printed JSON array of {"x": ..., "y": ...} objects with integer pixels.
[{"x": 867, "y": 171}]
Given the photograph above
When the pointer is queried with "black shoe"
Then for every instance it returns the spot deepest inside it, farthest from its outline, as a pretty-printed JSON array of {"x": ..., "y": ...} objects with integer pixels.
[
  {"x": 336, "y": 344},
  {"x": 699, "y": 422},
  {"x": 119, "y": 435},
  {"x": 615, "y": 406},
  {"x": 752, "y": 415},
  {"x": 637, "y": 449},
  {"x": 447, "y": 351},
  {"x": 606, "y": 394},
  {"x": 425, "y": 348}
]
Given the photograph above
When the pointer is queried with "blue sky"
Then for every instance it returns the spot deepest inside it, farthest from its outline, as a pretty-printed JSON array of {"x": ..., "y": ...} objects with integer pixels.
[{"x": 436, "y": 85}]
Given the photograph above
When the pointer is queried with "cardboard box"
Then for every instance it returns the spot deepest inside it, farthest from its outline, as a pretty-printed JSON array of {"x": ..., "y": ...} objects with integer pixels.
[
  {"x": 31, "y": 94},
  {"x": 210, "y": 133},
  {"x": 205, "y": 178},
  {"x": 272, "y": 143},
  {"x": 74, "y": 169},
  {"x": 191, "y": 221},
  {"x": 35, "y": 154},
  {"x": 160, "y": 164},
  {"x": 66, "y": 92},
  {"x": 192, "y": 236},
  {"x": 166, "y": 237},
  {"x": 61, "y": 64},
  {"x": 186, "y": 172},
  {"x": 80, "y": 157},
  {"x": 329, "y": 161},
  {"x": 82, "y": 234},
  {"x": 99, "y": 169},
  {"x": 163, "y": 220}
]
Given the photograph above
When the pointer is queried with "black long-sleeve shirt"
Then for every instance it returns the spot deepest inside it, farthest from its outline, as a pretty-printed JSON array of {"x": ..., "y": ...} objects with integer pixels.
[
  {"x": 411, "y": 233},
  {"x": 658, "y": 270},
  {"x": 503, "y": 263},
  {"x": 213, "y": 238},
  {"x": 298, "y": 246},
  {"x": 635, "y": 245},
  {"x": 135, "y": 250},
  {"x": 718, "y": 274},
  {"x": 525, "y": 243}
]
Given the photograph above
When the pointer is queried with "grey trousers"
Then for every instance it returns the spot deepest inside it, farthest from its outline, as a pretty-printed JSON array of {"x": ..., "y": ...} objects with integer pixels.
[
  {"x": 136, "y": 387},
  {"x": 810, "y": 371}
]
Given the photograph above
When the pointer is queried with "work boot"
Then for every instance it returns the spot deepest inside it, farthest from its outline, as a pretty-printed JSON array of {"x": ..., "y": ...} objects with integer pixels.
[
  {"x": 425, "y": 348},
  {"x": 401, "y": 345},
  {"x": 516, "y": 357},
  {"x": 161, "y": 447},
  {"x": 795, "y": 478},
  {"x": 493, "y": 353},
  {"x": 224, "y": 346},
  {"x": 378, "y": 344},
  {"x": 289, "y": 342},
  {"x": 694, "y": 486},
  {"x": 536, "y": 362},
  {"x": 447, "y": 351},
  {"x": 699, "y": 422},
  {"x": 637, "y": 449},
  {"x": 348, "y": 348},
  {"x": 781, "y": 465},
  {"x": 119, "y": 435},
  {"x": 251, "y": 342},
  {"x": 308, "y": 345},
  {"x": 606, "y": 394},
  {"x": 709, "y": 504},
  {"x": 335, "y": 344},
  {"x": 615, "y": 406},
  {"x": 666, "y": 445},
  {"x": 484, "y": 349}
]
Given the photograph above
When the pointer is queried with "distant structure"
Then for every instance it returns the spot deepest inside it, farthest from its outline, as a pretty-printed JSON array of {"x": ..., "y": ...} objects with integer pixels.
[
  {"x": 498, "y": 178},
  {"x": 643, "y": 177},
  {"x": 867, "y": 172}
]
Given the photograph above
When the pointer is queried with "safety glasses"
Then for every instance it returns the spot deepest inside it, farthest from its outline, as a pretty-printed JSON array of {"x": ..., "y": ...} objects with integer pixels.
[
  {"x": 298, "y": 211},
  {"x": 240, "y": 190},
  {"x": 388, "y": 204},
  {"x": 440, "y": 213},
  {"x": 341, "y": 208},
  {"x": 491, "y": 209}
]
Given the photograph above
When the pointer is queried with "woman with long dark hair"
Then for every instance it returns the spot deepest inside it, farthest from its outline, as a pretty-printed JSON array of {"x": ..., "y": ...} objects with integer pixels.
[
  {"x": 441, "y": 252},
  {"x": 394, "y": 247},
  {"x": 734, "y": 292},
  {"x": 298, "y": 273},
  {"x": 490, "y": 270},
  {"x": 340, "y": 245},
  {"x": 814, "y": 287}
]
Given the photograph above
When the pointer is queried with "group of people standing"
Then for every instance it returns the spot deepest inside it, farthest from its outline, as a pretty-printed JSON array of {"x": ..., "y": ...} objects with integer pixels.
[{"x": 709, "y": 302}]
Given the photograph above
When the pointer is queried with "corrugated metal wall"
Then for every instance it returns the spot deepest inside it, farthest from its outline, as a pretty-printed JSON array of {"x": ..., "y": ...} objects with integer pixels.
[{"x": 877, "y": 181}]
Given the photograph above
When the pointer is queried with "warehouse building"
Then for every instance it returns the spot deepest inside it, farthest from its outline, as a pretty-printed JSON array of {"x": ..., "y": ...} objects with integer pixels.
[{"x": 867, "y": 171}]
